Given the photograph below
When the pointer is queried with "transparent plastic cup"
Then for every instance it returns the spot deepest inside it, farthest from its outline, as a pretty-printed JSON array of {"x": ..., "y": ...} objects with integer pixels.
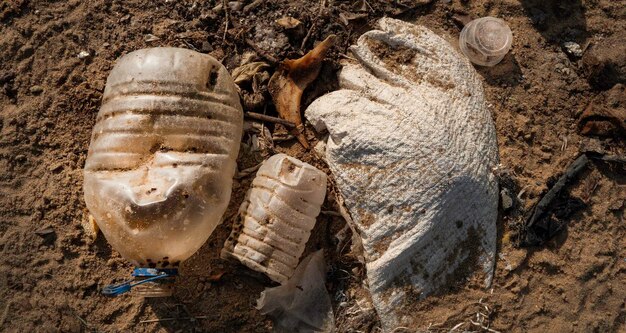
[{"x": 485, "y": 41}]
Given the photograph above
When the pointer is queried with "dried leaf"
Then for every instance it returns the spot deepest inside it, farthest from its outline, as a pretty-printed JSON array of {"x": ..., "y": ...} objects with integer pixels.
[
  {"x": 605, "y": 115},
  {"x": 246, "y": 72},
  {"x": 289, "y": 81},
  {"x": 288, "y": 22}
]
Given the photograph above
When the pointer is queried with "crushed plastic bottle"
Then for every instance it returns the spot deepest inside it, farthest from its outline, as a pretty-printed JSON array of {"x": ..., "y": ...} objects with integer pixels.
[
  {"x": 159, "y": 171},
  {"x": 485, "y": 41},
  {"x": 277, "y": 216}
]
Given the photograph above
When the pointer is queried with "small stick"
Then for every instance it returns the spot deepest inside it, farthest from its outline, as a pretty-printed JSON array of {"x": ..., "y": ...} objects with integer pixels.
[
  {"x": 262, "y": 117},
  {"x": 261, "y": 52},
  {"x": 5, "y": 313},
  {"x": 172, "y": 319},
  {"x": 313, "y": 25},
  {"x": 226, "y": 17}
]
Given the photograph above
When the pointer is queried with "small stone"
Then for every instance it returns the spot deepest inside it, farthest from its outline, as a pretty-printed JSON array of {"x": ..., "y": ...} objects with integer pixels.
[
  {"x": 546, "y": 156},
  {"x": 505, "y": 199},
  {"x": 206, "y": 47},
  {"x": 573, "y": 49},
  {"x": 150, "y": 38},
  {"x": 20, "y": 158},
  {"x": 90, "y": 227},
  {"x": 36, "y": 90},
  {"x": 288, "y": 22},
  {"x": 58, "y": 257},
  {"x": 235, "y": 6},
  {"x": 320, "y": 148},
  {"x": 83, "y": 54},
  {"x": 112, "y": 263}
]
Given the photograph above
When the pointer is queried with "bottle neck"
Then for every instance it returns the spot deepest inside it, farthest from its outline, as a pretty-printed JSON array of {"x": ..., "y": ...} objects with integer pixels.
[{"x": 159, "y": 287}]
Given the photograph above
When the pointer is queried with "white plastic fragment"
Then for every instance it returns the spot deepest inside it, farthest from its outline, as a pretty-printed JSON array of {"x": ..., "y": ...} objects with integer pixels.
[
  {"x": 83, "y": 54},
  {"x": 302, "y": 304},
  {"x": 159, "y": 171},
  {"x": 277, "y": 216},
  {"x": 412, "y": 147}
]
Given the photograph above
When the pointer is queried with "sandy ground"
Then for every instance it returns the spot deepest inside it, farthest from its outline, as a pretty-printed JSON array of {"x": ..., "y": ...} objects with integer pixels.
[{"x": 51, "y": 272}]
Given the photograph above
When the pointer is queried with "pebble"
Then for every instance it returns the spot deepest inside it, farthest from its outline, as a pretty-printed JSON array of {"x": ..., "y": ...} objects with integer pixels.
[
  {"x": 505, "y": 199},
  {"x": 573, "y": 49},
  {"x": 235, "y": 6},
  {"x": 206, "y": 47},
  {"x": 36, "y": 90},
  {"x": 83, "y": 54},
  {"x": 150, "y": 38}
]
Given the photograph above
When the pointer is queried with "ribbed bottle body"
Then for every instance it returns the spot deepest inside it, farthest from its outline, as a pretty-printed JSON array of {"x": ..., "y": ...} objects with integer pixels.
[
  {"x": 159, "y": 171},
  {"x": 277, "y": 216}
]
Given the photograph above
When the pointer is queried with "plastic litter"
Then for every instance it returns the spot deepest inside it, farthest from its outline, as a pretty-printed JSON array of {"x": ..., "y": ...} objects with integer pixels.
[
  {"x": 277, "y": 216},
  {"x": 159, "y": 170},
  {"x": 485, "y": 41},
  {"x": 302, "y": 304},
  {"x": 412, "y": 147}
]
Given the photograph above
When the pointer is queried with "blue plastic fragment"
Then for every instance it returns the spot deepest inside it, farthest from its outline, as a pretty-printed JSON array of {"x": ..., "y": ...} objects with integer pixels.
[{"x": 152, "y": 274}]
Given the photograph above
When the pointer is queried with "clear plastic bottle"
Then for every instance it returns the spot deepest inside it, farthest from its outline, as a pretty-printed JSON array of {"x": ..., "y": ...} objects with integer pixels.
[
  {"x": 277, "y": 217},
  {"x": 485, "y": 41},
  {"x": 159, "y": 171}
]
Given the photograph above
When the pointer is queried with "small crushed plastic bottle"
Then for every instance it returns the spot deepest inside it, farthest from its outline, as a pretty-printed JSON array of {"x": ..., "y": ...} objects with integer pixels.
[
  {"x": 159, "y": 171},
  {"x": 277, "y": 217},
  {"x": 485, "y": 41}
]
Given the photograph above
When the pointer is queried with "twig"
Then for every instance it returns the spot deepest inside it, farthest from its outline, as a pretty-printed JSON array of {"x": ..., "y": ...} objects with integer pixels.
[
  {"x": 262, "y": 117},
  {"x": 5, "y": 313},
  {"x": 347, "y": 57},
  {"x": 261, "y": 52},
  {"x": 313, "y": 25},
  {"x": 172, "y": 319},
  {"x": 226, "y": 18},
  {"x": 288, "y": 137},
  {"x": 483, "y": 327},
  {"x": 457, "y": 326},
  {"x": 81, "y": 320}
]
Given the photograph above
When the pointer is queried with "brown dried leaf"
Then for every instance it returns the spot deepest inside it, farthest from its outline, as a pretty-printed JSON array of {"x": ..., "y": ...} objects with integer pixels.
[
  {"x": 606, "y": 115},
  {"x": 288, "y": 22},
  {"x": 246, "y": 72},
  {"x": 289, "y": 81}
]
